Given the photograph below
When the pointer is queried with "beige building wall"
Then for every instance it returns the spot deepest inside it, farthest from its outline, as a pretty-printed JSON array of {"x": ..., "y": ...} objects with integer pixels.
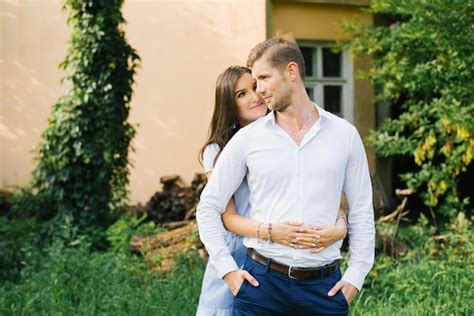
[
  {"x": 184, "y": 45},
  {"x": 314, "y": 20},
  {"x": 33, "y": 38},
  {"x": 321, "y": 21}
]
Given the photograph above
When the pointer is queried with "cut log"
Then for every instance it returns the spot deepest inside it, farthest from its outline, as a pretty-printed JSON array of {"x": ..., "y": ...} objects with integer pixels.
[
  {"x": 176, "y": 201},
  {"x": 160, "y": 250}
]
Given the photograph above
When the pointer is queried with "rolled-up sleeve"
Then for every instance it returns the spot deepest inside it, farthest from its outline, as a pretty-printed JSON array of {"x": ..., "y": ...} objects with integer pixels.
[
  {"x": 228, "y": 174},
  {"x": 358, "y": 190}
]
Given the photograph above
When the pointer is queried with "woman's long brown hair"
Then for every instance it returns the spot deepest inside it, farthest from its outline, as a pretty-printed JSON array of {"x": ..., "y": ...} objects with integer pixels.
[{"x": 225, "y": 119}]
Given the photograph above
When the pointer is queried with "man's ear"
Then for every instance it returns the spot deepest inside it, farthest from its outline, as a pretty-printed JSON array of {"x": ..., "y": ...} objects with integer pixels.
[{"x": 293, "y": 71}]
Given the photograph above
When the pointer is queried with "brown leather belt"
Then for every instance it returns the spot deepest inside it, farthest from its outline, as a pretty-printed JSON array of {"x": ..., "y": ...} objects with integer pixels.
[{"x": 294, "y": 272}]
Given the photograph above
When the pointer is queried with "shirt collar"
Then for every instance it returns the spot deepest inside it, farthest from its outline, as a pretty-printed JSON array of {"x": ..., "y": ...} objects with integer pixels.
[{"x": 270, "y": 117}]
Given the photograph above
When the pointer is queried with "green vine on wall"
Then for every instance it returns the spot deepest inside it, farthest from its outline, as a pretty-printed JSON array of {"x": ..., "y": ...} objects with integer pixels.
[{"x": 81, "y": 174}]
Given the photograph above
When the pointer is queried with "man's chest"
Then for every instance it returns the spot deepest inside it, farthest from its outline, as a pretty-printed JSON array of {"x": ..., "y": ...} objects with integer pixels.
[{"x": 278, "y": 161}]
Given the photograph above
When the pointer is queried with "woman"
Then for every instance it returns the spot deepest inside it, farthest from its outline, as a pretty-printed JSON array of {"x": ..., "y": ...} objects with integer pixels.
[{"x": 236, "y": 105}]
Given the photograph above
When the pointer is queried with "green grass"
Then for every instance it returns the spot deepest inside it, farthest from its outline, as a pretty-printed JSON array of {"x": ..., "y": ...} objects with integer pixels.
[
  {"x": 418, "y": 287},
  {"x": 82, "y": 283},
  {"x": 433, "y": 278}
]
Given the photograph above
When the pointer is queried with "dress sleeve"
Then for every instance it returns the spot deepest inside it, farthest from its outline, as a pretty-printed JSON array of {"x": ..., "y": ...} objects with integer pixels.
[{"x": 209, "y": 156}]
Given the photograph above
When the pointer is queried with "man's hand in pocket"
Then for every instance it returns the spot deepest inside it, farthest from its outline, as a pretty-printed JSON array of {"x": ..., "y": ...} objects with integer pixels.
[
  {"x": 235, "y": 279},
  {"x": 348, "y": 290}
]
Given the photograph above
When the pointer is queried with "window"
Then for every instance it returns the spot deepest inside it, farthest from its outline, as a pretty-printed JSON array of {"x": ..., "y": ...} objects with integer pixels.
[{"x": 329, "y": 77}]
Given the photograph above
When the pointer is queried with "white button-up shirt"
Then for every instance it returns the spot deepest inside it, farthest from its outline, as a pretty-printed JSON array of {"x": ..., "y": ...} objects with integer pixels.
[{"x": 291, "y": 182}]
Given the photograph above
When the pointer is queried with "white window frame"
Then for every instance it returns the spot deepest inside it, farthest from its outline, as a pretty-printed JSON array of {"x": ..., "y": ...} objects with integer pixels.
[{"x": 317, "y": 81}]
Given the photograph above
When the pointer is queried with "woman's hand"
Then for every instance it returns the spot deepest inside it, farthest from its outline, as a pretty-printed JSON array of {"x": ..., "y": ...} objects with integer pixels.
[
  {"x": 288, "y": 233},
  {"x": 327, "y": 235},
  {"x": 292, "y": 234}
]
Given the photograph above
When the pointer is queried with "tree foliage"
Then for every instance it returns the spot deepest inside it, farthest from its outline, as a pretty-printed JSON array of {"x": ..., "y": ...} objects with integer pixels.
[
  {"x": 82, "y": 161},
  {"x": 423, "y": 64}
]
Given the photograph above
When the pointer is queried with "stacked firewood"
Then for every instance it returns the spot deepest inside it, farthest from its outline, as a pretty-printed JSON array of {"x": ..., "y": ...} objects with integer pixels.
[
  {"x": 176, "y": 202},
  {"x": 174, "y": 207},
  {"x": 160, "y": 250}
]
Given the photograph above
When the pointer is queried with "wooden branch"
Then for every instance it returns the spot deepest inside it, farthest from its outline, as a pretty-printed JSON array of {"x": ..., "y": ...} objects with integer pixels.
[
  {"x": 394, "y": 214},
  {"x": 404, "y": 192},
  {"x": 173, "y": 225},
  {"x": 190, "y": 213},
  {"x": 440, "y": 237}
]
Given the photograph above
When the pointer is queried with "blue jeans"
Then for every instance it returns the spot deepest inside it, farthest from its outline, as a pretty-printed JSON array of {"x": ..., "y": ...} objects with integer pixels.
[{"x": 277, "y": 294}]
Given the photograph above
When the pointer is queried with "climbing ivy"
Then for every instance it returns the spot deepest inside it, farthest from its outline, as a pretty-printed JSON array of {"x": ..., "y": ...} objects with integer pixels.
[{"x": 81, "y": 172}]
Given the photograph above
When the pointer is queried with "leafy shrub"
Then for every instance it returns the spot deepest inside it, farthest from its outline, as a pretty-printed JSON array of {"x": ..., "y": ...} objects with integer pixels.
[
  {"x": 82, "y": 160},
  {"x": 5, "y": 204},
  {"x": 424, "y": 66},
  {"x": 120, "y": 233},
  {"x": 19, "y": 247}
]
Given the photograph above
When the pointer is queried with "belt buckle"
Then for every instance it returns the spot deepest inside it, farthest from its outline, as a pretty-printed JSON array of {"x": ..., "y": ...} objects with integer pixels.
[{"x": 289, "y": 273}]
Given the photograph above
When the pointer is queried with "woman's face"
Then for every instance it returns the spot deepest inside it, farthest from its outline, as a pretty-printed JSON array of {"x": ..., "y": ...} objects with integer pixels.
[{"x": 250, "y": 105}]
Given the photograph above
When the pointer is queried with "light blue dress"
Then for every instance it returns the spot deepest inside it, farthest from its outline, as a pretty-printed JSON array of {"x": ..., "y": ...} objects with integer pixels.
[{"x": 216, "y": 298}]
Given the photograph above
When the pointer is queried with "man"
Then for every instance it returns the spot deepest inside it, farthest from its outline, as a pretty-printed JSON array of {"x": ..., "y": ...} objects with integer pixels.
[{"x": 298, "y": 159}]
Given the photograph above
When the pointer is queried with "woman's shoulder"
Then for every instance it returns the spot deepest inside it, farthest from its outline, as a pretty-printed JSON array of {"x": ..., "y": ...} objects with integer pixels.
[
  {"x": 211, "y": 149},
  {"x": 249, "y": 130},
  {"x": 209, "y": 156}
]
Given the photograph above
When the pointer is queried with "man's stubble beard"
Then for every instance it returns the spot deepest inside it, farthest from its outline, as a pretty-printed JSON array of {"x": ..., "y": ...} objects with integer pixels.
[{"x": 285, "y": 100}]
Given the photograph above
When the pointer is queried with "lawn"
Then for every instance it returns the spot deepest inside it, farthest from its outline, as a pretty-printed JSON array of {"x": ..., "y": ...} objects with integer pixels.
[
  {"x": 435, "y": 277},
  {"x": 83, "y": 283}
]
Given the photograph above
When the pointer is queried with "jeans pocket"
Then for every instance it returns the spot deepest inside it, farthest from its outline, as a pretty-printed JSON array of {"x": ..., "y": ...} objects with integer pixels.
[
  {"x": 241, "y": 288},
  {"x": 342, "y": 297}
]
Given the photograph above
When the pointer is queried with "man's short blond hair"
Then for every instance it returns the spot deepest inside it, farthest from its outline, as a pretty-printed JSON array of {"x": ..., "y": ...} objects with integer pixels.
[{"x": 279, "y": 50}]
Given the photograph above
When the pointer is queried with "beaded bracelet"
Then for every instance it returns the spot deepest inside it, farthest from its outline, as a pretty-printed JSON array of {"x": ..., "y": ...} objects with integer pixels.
[{"x": 270, "y": 240}]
